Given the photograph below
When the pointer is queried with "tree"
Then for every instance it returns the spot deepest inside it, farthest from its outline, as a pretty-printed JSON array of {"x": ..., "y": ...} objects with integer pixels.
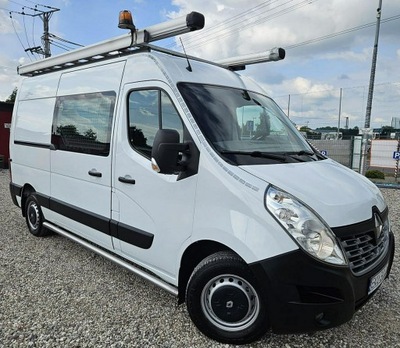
[
  {"x": 90, "y": 134},
  {"x": 13, "y": 95}
]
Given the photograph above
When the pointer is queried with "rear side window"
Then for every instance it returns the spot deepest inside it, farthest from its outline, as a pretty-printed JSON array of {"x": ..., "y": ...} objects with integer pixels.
[
  {"x": 148, "y": 111},
  {"x": 82, "y": 123}
]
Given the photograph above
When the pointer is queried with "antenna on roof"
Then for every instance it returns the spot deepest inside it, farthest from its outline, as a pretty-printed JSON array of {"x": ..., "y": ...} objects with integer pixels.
[{"x": 189, "y": 67}]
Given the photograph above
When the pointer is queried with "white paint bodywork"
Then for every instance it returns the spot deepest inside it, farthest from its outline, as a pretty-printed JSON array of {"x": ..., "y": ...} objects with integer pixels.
[{"x": 221, "y": 203}]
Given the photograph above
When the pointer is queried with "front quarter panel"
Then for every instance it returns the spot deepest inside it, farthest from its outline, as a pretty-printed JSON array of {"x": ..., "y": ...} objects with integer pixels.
[{"x": 230, "y": 210}]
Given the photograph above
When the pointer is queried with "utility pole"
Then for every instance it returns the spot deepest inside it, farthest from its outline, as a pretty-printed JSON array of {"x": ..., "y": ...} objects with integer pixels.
[
  {"x": 373, "y": 68},
  {"x": 45, "y": 17},
  {"x": 340, "y": 113},
  {"x": 367, "y": 123}
]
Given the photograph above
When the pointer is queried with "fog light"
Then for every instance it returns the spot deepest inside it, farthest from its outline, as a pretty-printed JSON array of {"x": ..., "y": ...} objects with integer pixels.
[{"x": 321, "y": 321}]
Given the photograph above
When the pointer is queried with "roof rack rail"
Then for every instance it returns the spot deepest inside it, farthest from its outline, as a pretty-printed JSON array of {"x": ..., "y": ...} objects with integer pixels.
[
  {"x": 137, "y": 41},
  {"x": 234, "y": 64},
  {"x": 239, "y": 63},
  {"x": 113, "y": 47}
]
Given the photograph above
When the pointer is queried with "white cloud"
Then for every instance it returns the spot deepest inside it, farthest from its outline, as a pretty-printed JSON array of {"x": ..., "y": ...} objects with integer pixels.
[
  {"x": 6, "y": 26},
  {"x": 312, "y": 74}
]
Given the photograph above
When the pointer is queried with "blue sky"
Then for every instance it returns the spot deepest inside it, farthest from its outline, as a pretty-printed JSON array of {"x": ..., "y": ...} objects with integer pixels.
[{"x": 311, "y": 74}]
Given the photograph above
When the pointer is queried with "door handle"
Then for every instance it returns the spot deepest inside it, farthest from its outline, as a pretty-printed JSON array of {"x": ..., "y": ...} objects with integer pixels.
[
  {"x": 126, "y": 180},
  {"x": 94, "y": 172}
]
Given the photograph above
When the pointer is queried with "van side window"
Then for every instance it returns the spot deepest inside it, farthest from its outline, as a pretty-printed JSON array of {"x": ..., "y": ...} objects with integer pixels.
[
  {"x": 149, "y": 111},
  {"x": 82, "y": 123}
]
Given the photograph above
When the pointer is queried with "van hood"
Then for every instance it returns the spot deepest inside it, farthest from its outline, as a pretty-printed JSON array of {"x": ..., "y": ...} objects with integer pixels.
[{"x": 339, "y": 195}]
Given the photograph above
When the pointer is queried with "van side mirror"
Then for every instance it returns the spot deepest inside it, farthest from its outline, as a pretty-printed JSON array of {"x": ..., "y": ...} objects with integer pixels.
[{"x": 168, "y": 153}]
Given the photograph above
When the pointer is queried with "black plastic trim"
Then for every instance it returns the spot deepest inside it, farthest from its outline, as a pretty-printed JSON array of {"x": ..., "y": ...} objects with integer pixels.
[
  {"x": 126, "y": 233},
  {"x": 15, "y": 190},
  {"x": 31, "y": 144},
  {"x": 131, "y": 234},
  {"x": 195, "y": 21},
  {"x": 305, "y": 295},
  {"x": 367, "y": 225},
  {"x": 83, "y": 216}
]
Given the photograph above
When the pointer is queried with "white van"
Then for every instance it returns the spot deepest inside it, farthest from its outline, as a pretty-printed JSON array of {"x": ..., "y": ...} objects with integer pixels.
[{"x": 186, "y": 173}]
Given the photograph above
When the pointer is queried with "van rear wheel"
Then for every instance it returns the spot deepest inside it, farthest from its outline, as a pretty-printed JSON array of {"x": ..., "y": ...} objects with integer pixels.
[
  {"x": 224, "y": 302},
  {"x": 34, "y": 217}
]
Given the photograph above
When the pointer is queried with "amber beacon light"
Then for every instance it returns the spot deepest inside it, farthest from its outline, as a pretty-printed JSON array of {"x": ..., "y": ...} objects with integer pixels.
[{"x": 125, "y": 20}]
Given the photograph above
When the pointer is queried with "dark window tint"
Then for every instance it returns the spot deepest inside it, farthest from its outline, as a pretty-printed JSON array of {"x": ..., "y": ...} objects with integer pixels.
[
  {"x": 82, "y": 123},
  {"x": 149, "y": 111}
]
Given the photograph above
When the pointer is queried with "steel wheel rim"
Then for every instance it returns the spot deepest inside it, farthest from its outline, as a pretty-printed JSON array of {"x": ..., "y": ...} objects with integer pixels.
[
  {"x": 233, "y": 288},
  {"x": 33, "y": 215}
]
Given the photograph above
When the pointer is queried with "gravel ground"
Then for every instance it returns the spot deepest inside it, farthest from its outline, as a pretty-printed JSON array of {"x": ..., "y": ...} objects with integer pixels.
[{"x": 55, "y": 293}]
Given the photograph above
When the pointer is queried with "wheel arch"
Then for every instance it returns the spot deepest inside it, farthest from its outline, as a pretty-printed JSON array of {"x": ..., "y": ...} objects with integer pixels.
[
  {"x": 192, "y": 256},
  {"x": 27, "y": 190}
]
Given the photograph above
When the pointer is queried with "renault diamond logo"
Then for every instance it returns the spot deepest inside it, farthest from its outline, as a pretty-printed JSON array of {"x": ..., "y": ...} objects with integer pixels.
[{"x": 378, "y": 226}]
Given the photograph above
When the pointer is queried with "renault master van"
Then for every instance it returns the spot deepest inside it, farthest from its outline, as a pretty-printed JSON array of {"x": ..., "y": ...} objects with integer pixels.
[{"x": 186, "y": 173}]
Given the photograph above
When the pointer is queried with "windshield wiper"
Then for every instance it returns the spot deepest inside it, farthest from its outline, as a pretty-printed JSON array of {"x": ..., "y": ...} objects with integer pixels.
[
  {"x": 304, "y": 152},
  {"x": 278, "y": 157},
  {"x": 300, "y": 153}
]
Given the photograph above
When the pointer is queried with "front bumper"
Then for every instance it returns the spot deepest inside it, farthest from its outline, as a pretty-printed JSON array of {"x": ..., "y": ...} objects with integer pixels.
[{"x": 305, "y": 295}]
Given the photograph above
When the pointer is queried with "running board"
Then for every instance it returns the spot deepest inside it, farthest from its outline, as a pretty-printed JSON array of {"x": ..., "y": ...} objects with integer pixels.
[{"x": 109, "y": 256}]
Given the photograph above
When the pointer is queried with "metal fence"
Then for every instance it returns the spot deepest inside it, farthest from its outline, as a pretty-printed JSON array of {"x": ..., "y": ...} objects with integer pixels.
[
  {"x": 339, "y": 150},
  {"x": 382, "y": 155}
]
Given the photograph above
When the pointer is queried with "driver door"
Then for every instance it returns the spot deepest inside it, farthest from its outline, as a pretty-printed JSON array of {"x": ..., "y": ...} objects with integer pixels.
[{"x": 154, "y": 211}]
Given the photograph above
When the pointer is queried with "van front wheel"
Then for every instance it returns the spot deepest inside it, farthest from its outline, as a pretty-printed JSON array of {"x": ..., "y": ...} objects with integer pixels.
[
  {"x": 34, "y": 217},
  {"x": 223, "y": 300}
]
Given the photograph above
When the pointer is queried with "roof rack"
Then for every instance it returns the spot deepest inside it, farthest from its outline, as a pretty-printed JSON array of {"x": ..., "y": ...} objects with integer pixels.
[
  {"x": 239, "y": 63},
  {"x": 116, "y": 46},
  {"x": 137, "y": 41}
]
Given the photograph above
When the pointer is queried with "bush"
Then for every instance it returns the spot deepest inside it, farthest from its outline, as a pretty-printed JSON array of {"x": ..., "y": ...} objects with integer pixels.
[{"x": 375, "y": 174}]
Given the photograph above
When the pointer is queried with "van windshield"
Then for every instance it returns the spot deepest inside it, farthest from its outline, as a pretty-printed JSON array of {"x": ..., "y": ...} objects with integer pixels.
[{"x": 245, "y": 127}]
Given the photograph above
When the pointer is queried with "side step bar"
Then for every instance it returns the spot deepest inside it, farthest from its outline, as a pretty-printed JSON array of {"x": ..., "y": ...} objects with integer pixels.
[{"x": 109, "y": 256}]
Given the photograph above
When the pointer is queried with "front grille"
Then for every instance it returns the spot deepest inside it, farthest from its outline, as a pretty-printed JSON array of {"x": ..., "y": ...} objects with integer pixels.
[{"x": 364, "y": 250}]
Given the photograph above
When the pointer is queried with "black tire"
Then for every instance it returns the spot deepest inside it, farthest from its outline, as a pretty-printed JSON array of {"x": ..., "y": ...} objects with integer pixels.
[
  {"x": 34, "y": 217},
  {"x": 224, "y": 302}
]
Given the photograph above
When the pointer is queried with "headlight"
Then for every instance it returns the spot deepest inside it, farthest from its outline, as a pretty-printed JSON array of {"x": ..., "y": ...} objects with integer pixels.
[{"x": 306, "y": 228}]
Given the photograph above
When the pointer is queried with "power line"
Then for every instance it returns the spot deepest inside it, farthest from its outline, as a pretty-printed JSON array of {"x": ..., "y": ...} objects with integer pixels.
[
  {"x": 26, "y": 33},
  {"x": 345, "y": 31},
  {"x": 333, "y": 89},
  {"x": 19, "y": 39},
  {"x": 243, "y": 23},
  {"x": 64, "y": 40},
  {"x": 33, "y": 30}
]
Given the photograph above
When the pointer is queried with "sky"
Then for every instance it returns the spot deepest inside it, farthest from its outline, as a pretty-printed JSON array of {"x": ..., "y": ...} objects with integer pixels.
[{"x": 328, "y": 43}]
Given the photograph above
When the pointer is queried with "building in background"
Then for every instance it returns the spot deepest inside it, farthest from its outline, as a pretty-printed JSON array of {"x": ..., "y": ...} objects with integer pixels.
[
  {"x": 5, "y": 124},
  {"x": 395, "y": 122}
]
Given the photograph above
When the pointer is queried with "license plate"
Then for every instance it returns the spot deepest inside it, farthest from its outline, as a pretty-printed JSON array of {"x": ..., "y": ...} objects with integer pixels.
[{"x": 377, "y": 280}]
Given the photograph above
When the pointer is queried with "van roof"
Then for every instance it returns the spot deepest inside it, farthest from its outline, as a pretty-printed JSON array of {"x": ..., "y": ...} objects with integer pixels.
[{"x": 138, "y": 41}]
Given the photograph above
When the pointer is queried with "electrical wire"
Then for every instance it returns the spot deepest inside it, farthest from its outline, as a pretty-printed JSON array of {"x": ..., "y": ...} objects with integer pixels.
[
  {"x": 244, "y": 23},
  {"x": 46, "y": 6},
  {"x": 33, "y": 30},
  {"x": 64, "y": 40},
  {"x": 19, "y": 39},
  {"x": 26, "y": 33},
  {"x": 345, "y": 31}
]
